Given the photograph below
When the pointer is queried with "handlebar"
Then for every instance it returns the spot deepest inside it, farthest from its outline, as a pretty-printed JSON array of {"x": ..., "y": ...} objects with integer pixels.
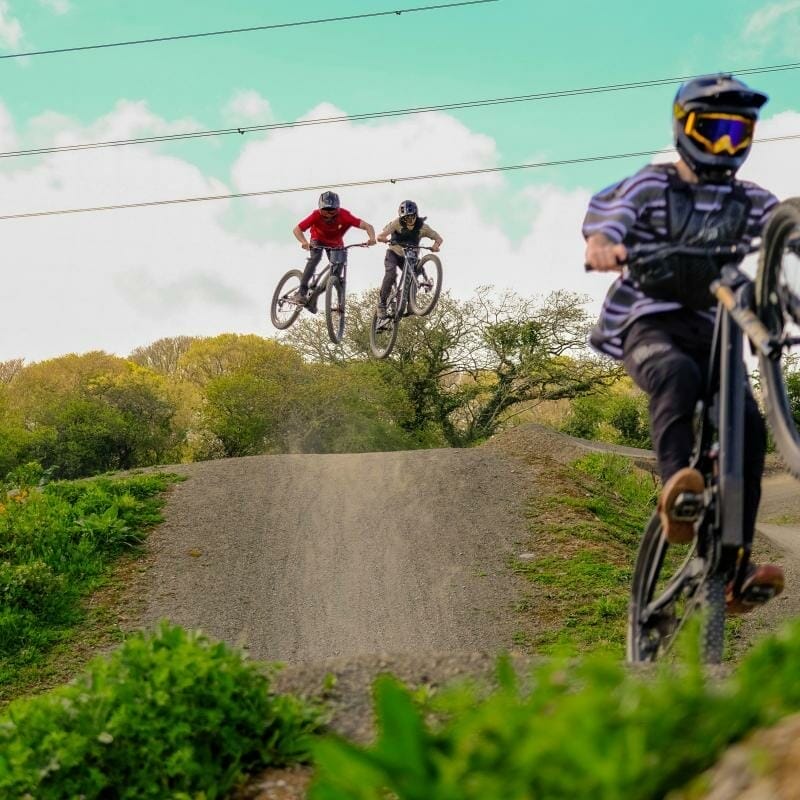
[
  {"x": 346, "y": 247},
  {"x": 646, "y": 253}
]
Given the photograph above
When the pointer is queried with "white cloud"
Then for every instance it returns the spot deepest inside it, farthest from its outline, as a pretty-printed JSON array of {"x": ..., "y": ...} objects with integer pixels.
[
  {"x": 776, "y": 165},
  {"x": 116, "y": 280},
  {"x": 57, "y": 6},
  {"x": 773, "y": 28},
  {"x": 766, "y": 19},
  {"x": 10, "y": 27},
  {"x": 247, "y": 107}
]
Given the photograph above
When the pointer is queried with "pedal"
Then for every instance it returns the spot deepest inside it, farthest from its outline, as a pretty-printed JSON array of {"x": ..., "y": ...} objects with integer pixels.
[
  {"x": 758, "y": 595},
  {"x": 688, "y": 507}
]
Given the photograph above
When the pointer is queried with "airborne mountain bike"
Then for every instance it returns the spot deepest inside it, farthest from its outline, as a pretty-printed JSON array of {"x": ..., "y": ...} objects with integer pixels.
[
  {"x": 331, "y": 280},
  {"x": 417, "y": 292},
  {"x": 671, "y": 583}
]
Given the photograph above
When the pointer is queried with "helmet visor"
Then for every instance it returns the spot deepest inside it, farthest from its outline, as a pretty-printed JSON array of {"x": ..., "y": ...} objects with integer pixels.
[{"x": 720, "y": 133}]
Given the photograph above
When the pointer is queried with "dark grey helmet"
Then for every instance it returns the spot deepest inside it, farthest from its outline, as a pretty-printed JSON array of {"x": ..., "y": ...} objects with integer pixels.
[
  {"x": 718, "y": 95},
  {"x": 407, "y": 207},
  {"x": 329, "y": 200}
]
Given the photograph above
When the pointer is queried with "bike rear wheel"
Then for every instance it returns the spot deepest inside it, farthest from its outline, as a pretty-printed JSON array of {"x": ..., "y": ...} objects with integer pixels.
[
  {"x": 670, "y": 584},
  {"x": 427, "y": 286},
  {"x": 383, "y": 333},
  {"x": 334, "y": 308},
  {"x": 284, "y": 311},
  {"x": 778, "y": 307}
]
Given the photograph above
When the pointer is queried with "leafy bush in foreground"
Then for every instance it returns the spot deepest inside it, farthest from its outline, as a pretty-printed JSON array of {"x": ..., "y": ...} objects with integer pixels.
[
  {"x": 167, "y": 715},
  {"x": 594, "y": 731},
  {"x": 56, "y": 543}
]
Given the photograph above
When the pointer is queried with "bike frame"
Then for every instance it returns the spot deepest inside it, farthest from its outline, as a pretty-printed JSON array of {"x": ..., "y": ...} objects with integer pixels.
[
  {"x": 720, "y": 446},
  {"x": 319, "y": 280},
  {"x": 402, "y": 287}
]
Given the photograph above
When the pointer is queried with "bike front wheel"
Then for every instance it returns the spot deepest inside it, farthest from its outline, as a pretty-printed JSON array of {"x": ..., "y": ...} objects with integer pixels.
[
  {"x": 383, "y": 334},
  {"x": 283, "y": 310},
  {"x": 778, "y": 307},
  {"x": 670, "y": 584},
  {"x": 427, "y": 286},
  {"x": 334, "y": 308}
]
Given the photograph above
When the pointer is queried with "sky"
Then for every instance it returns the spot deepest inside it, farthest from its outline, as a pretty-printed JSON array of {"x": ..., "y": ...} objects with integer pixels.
[{"x": 117, "y": 280}]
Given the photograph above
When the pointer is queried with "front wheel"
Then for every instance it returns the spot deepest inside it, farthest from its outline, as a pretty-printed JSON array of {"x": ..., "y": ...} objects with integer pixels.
[
  {"x": 425, "y": 289},
  {"x": 383, "y": 334},
  {"x": 284, "y": 310},
  {"x": 334, "y": 308},
  {"x": 778, "y": 307},
  {"x": 665, "y": 591}
]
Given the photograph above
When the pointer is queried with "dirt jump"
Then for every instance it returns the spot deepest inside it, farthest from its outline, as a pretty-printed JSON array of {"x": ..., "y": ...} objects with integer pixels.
[{"x": 306, "y": 558}]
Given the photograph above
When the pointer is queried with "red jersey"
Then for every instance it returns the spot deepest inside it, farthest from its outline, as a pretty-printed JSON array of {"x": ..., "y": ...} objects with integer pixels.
[{"x": 329, "y": 232}]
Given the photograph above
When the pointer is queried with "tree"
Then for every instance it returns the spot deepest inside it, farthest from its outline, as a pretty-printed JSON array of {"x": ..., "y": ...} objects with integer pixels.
[
  {"x": 87, "y": 414},
  {"x": 473, "y": 365},
  {"x": 163, "y": 355},
  {"x": 10, "y": 369}
]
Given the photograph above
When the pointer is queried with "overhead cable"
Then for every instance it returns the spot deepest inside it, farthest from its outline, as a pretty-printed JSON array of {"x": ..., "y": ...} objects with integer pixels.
[
  {"x": 396, "y": 12},
  {"x": 352, "y": 184},
  {"x": 370, "y": 115}
]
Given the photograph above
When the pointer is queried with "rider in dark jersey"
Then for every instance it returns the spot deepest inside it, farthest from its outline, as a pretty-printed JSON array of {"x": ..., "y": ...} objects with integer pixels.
[
  {"x": 661, "y": 323},
  {"x": 406, "y": 229}
]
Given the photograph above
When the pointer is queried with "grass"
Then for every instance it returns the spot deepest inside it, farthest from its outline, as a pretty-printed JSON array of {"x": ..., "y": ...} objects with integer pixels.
[
  {"x": 589, "y": 527},
  {"x": 583, "y": 728},
  {"x": 69, "y": 550}
]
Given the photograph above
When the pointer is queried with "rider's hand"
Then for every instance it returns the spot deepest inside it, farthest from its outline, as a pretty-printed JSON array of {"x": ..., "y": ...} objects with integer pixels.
[
  {"x": 305, "y": 245},
  {"x": 371, "y": 242},
  {"x": 603, "y": 255},
  {"x": 435, "y": 248}
]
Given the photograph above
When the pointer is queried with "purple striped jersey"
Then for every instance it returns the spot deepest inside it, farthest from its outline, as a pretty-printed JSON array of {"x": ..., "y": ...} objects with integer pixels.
[{"x": 634, "y": 211}]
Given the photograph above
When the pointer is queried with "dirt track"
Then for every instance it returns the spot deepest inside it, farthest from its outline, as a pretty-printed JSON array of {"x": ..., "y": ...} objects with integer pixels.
[
  {"x": 307, "y": 558},
  {"x": 304, "y": 558}
]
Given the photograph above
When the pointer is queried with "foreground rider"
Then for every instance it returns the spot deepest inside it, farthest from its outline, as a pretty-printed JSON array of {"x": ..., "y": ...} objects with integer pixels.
[
  {"x": 407, "y": 229},
  {"x": 328, "y": 224},
  {"x": 661, "y": 323}
]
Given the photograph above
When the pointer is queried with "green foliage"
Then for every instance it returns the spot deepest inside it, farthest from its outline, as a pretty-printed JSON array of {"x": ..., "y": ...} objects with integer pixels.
[
  {"x": 592, "y": 730},
  {"x": 82, "y": 415},
  {"x": 619, "y": 416},
  {"x": 56, "y": 543},
  {"x": 471, "y": 365},
  {"x": 587, "y": 533},
  {"x": 167, "y": 715}
]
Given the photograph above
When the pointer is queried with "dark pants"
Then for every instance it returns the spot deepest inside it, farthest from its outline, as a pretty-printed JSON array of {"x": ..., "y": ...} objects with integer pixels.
[
  {"x": 392, "y": 262},
  {"x": 335, "y": 255},
  {"x": 667, "y": 355}
]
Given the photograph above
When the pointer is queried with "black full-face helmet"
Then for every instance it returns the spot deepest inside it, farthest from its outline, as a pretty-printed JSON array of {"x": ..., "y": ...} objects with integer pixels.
[
  {"x": 328, "y": 201},
  {"x": 408, "y": 208},
  {"x": 713, "y": 119}
]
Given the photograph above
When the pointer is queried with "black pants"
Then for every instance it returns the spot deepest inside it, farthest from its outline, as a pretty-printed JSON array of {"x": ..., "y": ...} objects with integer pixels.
[
  {"x": 392, "y": 262},
  {"x": 667, "y": 355},
  {"x": 335, "y": 255}
]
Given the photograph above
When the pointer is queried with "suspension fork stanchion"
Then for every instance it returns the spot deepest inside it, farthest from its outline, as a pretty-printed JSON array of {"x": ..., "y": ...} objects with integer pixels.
[{"x": 731, "y": 433}]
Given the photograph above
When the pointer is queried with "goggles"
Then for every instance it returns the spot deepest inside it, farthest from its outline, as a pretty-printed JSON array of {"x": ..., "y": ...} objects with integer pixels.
[
  {"x": 720, "y": 133},
  {"x": 408, "y": 218},
  {"x": 328, "y": 212}
]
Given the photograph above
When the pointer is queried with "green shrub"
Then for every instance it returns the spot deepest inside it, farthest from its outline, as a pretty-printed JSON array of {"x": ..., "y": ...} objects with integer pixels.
[
  {"x": 620, "y": 417},
  {"x": 57, "y": 541},
  {"x": 167, "y": 715},
  {"x": 593, "y": 730}
]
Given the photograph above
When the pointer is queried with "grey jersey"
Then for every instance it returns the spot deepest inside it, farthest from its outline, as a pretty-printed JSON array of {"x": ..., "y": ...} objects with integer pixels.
[{"x": 634, "y": 211}]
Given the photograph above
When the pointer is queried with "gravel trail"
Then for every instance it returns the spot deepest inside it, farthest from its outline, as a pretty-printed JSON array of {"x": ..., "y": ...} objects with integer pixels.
[{"x": 302, "y": 558}]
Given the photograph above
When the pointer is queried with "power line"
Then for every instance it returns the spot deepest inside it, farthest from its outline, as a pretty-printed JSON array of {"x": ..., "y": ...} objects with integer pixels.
[
  {"x": 370, "y": 115},
  {"x": 251, "y": 29},
  {"x": 372, "y": 182}
]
